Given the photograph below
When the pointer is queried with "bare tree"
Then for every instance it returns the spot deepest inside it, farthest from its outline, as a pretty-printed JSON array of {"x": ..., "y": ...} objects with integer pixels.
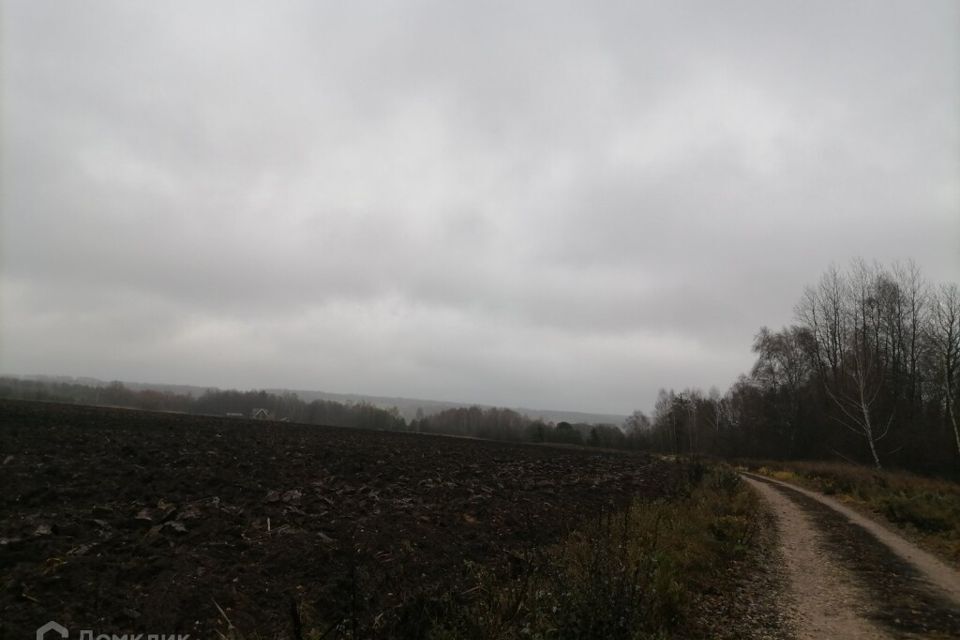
[
  {"x": 821, "y": 310},
  {"x": 945, "y": 344},
  {"x": 856, "y": 390},
  {"x": 912, "y": 311},
  {"x": 783, "y": 367}
]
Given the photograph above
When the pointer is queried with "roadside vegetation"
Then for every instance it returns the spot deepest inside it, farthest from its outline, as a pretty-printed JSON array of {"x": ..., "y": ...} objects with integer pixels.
[
  {"x": 650, "y": 571},
  {"x": 927, "y": 510}
]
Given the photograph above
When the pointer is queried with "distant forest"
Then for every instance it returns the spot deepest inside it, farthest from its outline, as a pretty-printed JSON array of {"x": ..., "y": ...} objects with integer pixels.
[
  {"x": 493, "y": 423},
  {"x": 870, "y": 373}
]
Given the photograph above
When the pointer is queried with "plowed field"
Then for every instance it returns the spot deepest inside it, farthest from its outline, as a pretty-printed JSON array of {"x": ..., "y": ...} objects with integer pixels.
[{"x": 135, "y": 522}]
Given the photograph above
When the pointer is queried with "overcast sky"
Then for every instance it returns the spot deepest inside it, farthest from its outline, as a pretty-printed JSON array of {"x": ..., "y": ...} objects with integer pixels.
[{"x": 548, "y": 204}]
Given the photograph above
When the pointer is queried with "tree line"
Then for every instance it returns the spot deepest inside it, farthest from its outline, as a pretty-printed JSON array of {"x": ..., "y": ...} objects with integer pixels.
[
  {"x": 286, "y": 406},
  {"x": 496, "y": 423},
  {"x": 492, "y": 423},
  {"x": 869, "y": 373}
]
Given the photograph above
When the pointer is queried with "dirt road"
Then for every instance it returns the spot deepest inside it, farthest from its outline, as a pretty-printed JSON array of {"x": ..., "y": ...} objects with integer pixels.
[{"x": 852, "y": 578}]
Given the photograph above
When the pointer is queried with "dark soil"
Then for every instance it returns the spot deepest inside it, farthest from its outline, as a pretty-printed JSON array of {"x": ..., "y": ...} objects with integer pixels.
[
  {"x": 134, "y": 522},
  {"x": 902, "y": 600}
]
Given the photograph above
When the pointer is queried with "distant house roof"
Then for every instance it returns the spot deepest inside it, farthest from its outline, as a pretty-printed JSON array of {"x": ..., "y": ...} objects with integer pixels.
[{"x": 261, "y": 414}]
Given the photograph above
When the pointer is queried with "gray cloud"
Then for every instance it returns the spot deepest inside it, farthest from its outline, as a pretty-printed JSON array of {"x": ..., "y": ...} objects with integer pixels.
[{"x": 553, "y": 204}]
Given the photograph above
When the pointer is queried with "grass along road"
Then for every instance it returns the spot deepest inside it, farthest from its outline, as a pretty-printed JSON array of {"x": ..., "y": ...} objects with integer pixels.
[{"x": 924, "y": 510}]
